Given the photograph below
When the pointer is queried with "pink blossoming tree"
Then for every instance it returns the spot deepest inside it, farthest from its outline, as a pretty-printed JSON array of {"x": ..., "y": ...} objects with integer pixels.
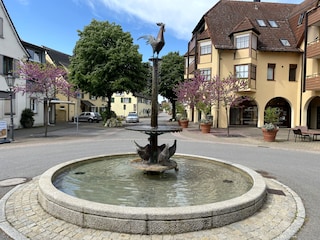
[
  {"x": 202, "y": 94},
  {"x": 43, "y": 82}
]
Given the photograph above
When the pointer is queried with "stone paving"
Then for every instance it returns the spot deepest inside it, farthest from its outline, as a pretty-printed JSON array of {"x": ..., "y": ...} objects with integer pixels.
[{"x": 280, "y": 218}]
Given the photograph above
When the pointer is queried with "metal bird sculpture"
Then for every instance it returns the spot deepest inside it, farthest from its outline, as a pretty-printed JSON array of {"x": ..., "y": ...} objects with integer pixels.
[{"x": 156, "y": 43}]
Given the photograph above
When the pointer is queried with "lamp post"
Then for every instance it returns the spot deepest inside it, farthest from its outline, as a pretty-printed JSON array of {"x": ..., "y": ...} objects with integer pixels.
[{"x": 10, "y": 82}]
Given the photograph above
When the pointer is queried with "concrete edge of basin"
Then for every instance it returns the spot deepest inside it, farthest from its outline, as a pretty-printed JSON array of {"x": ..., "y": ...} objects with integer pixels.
[{"x": 139, "y": 220}]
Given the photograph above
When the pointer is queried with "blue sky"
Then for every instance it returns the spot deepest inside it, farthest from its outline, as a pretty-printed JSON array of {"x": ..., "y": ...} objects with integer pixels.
[{"x": 54, "y": 24}]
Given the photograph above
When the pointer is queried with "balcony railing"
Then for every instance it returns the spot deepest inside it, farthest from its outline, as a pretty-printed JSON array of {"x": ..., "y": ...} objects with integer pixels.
[
  {"x": 313, "y": 82},
  {"x": 313, "y": 49}
]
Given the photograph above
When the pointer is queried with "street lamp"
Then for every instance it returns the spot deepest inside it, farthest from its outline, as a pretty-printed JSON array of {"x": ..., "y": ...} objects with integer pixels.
[{"x": 10, "y": 82}]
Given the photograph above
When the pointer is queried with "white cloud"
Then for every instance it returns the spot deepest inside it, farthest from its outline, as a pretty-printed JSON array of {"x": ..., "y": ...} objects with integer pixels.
[{"x": 180, "y": 16}]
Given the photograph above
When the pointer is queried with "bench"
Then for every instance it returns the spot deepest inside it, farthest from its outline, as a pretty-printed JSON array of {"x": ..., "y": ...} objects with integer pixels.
[
  {"x": 299, "y": 134},
  {"x": 305, "y": 131}
]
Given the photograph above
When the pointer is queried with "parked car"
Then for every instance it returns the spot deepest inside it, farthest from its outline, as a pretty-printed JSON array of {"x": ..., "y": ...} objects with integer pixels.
[
  {"x": 132, "y": 117},
  {"x": 88, "y": 117}
]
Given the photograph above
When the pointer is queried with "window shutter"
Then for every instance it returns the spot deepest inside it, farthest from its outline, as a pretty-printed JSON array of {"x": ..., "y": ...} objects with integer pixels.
[{"x": 1, "y": 64}]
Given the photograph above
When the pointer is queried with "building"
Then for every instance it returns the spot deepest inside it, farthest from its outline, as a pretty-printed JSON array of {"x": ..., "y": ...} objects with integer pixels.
[
  {"x": 268, "y": 45},
  {"x": 12, "y": 52}
]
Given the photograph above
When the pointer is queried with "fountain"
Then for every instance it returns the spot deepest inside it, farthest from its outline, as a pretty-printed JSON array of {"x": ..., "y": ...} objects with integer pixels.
[{"x": 102, "y": 192}]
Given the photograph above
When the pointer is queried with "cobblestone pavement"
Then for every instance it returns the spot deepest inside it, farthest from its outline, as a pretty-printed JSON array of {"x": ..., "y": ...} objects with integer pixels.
[{"x": 280, "y": 218}]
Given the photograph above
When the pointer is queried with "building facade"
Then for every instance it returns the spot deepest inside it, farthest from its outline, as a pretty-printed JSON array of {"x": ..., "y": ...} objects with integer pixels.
[
  {"x": 12, "y": 52},
  {"x": 265, "y": 44}
]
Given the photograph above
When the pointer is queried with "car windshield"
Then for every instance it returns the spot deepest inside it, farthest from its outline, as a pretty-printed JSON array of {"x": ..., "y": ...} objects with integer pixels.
[{"x": 132, "y": 114}]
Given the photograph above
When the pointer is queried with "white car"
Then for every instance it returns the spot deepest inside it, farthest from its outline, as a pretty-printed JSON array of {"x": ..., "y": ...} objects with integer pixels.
[{"x": 132, "y": 118}]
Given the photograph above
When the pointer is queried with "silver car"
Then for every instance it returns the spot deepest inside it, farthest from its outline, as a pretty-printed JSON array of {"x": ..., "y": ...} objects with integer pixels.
[
  {"x": 89, "y": 117},
  {"x": 132, "y": 118}
]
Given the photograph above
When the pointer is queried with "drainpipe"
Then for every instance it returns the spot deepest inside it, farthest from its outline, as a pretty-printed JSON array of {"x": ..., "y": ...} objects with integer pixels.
[
  {"x": 219, "y": 72},
  {"x": 304, "y": 72}
]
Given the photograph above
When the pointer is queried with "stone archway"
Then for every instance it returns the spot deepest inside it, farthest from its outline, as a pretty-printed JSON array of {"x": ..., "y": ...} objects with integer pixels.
[
  {"x": 313, "y": 113},
  {"x": 285, "y": 111},
  {"x": 246, "y": 114}
]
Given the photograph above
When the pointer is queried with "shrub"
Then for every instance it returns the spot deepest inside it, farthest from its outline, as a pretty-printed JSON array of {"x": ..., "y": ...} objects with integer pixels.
[{"x": 27, "y": 119}]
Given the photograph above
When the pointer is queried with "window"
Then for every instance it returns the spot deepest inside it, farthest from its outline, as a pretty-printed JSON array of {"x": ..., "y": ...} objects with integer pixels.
[
  {"x": 7, "y": 65},
  {"x": 242, "y": 71},
  {"x": 292, "y": 72},
  {"x": 253, "y": 72},
  {"x": 1, "y": 27},
  {"x": 33, "y": 105},
  {"x": 7, "y": 105},
  {"x": 125, "y": 100},
  {"x": 248, "y": 71},
  {"x": 34, "y": 55},
  {"x": 261, "y": 23},
  {"x": 206, "y": 73},
  {"x": 273, "y": 23},
  {"x": 205, "y": 48},
  {"x": 285, "y": 42},
  {"x": 242, "y": 41},
  {"x": 112, "y": 99},
  {"x": 300, "y": 19},
  {"x": 270, "y": 72}
]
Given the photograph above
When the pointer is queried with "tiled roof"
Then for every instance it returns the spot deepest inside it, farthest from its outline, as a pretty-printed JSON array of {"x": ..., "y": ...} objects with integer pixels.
[
  {"x": 229, "y": 17},
  {"x": 59, "y": 58}
]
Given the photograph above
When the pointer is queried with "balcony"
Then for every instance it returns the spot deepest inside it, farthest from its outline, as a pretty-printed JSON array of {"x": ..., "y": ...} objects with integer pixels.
[
  {"x": 313, "y": 49},
  {"x": 313, "y": 82},
  {"x": 251, "y": 86}
]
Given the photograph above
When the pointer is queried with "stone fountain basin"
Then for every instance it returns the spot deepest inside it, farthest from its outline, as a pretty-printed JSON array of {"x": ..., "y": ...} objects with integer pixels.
[{"x": 149, "y": 220}]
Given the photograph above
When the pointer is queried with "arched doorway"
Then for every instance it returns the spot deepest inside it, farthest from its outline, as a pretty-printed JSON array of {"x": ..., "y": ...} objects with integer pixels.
[
  {"x": 285, "y": 111},
  {"x": 313, "y": 116},
  {"x": 245, "y": 114}
]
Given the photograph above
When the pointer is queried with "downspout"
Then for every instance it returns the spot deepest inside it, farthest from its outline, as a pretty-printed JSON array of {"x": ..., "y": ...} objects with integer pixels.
[
  {"x": 219, "y": 72},
  {"x": 304, "y": 72}
]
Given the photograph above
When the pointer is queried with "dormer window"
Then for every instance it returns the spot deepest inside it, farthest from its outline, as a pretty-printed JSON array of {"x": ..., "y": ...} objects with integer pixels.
[
  {"x": 261, "y": 23},
  {"x": 247, "y": 40},
  {"x": 285, "y": 42},
  {"x": 242, "y": 41},
  {"x": 300, "y": 19},
  {"x": 273, "y": 23}
]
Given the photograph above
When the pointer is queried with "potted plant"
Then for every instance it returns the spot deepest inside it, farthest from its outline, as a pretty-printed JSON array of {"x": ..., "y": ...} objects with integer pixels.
[
  {"x": 184, "y": 122},
  {"x": 270, "y": 129},
  {"x": 205, "y": 125}
]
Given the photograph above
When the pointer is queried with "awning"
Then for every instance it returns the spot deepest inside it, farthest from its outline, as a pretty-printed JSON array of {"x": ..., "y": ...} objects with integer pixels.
[
  {"x": 87, "y": 103},
  {"x": 59, "y": 101}
]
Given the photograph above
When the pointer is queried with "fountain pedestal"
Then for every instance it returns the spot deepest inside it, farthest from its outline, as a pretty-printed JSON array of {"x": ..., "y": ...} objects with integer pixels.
[{"x": 155, "y": 158}]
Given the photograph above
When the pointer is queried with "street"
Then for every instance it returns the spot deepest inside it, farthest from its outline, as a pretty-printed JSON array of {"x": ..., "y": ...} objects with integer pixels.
[{"x": 298, "y": 170}]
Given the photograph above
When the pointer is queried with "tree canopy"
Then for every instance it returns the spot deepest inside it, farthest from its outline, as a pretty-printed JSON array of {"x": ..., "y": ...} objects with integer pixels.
[
  {"x": 106, "y": 61},
  {"x": 171, "y": 74}
]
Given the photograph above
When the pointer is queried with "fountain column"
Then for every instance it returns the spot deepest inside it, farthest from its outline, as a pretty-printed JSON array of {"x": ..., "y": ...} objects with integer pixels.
[{"x": 154, "y": 111}]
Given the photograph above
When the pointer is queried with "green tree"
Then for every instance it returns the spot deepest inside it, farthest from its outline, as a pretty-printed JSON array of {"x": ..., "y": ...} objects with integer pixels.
[
  {"x": 171, "y": 74},
  {"x": 106, "y": 61}
]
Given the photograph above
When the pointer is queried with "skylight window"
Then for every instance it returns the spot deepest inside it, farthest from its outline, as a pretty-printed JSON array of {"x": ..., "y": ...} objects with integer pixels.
[
  {"x": 300, "y": 21},
  {"x": 273, "y": 23},
  {"x": 261, "y": 23},
  {"x": 285, "y": 42}
]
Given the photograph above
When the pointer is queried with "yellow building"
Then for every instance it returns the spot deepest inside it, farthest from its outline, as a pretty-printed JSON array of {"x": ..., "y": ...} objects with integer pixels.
[{"x": 264, "y": 44}]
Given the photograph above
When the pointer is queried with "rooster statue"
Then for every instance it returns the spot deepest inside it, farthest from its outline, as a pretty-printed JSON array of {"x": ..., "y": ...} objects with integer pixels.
[{"x": 156, "y": 43}]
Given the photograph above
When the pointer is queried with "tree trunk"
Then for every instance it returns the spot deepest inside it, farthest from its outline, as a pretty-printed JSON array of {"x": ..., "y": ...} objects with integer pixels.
[
  {"x": 173, "y": 102},
  {"x": 46, "y": 118}
]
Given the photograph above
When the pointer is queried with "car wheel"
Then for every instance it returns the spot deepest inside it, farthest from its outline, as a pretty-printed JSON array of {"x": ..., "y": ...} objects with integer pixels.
[{"x": 90, "y": 120}]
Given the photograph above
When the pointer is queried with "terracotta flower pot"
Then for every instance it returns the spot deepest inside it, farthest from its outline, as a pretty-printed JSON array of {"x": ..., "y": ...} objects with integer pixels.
[
  {"x": 205, "y": 127},
  {"x": 184, "y": 123},
  {"x": 269, "y": 135}
]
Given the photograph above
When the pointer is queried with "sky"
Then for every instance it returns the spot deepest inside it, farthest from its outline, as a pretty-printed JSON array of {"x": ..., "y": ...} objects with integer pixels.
[{"x": 55, "y": 24}]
